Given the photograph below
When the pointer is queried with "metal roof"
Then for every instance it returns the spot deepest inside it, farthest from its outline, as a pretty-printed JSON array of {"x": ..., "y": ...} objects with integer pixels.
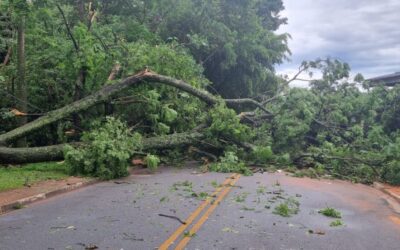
[{"x": 387, "y": 80}]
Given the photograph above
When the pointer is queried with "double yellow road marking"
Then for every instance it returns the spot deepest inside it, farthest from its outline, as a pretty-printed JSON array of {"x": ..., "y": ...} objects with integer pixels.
[{"x": 220, "y": 194}]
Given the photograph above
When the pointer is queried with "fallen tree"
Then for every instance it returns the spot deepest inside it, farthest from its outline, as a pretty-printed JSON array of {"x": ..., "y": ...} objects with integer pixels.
[
  {"x": 55, "y": 152},
  {"x": 108, "y": 92}
]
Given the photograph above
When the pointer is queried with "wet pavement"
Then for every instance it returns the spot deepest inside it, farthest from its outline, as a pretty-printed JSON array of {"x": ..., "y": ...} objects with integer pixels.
[{"x": 126, "y": 215}]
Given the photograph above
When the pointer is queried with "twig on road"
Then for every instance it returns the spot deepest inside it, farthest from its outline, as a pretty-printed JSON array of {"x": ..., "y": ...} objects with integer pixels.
[{"x": 173, "y": 217}]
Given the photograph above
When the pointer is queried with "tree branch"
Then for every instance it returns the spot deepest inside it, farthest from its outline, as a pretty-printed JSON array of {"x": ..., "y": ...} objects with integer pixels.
[
  {"x": 68, "y": 29},
  {"x": 110, "y": 90}
]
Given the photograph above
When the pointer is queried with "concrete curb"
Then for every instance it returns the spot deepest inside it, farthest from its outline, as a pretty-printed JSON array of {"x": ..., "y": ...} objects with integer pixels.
[
  {"x": 387, "y": 191},
  {"x": 42, "y": 196}
]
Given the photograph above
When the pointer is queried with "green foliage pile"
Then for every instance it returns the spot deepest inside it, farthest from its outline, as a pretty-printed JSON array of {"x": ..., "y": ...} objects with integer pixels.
[
  {"x": 262, "y": 154},
  {"x": 330, "y": 212},
  {"x": 229, "y": 163},
  {"x": 152, "y": 161},
  {"x": 287, "y": 208},
  {"x": 106, "y": 152},
  {"x": 336, "y": 223},
  {"x": 224, "y": 123}
]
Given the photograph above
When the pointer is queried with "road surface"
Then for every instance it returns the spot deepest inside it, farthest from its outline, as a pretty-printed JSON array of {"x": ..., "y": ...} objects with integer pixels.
[{"x": 222, "y": 211}]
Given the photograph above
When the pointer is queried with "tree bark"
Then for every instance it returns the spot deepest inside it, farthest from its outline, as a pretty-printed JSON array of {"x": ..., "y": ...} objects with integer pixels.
[
  {"x": 7, "y": 57},
  {"x": 30, "y": 155},
  {"x": 109, "y": 91},
  {"x": 55, "y": 152},
  {"x": 22, "y": 93}
]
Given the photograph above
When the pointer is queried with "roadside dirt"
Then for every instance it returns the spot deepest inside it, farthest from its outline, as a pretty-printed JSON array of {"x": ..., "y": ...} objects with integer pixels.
[{"x": 393, "y": 190}]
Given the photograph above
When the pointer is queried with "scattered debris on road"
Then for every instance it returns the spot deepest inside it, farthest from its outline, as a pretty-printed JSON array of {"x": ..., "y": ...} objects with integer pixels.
[{"x": 173, "y": 217}]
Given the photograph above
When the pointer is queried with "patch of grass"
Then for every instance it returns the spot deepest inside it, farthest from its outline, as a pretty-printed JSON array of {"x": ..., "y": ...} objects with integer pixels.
[
  {"x": 330, "y": 212},
  {"x": 28, "y": 174},
  {"x": 336, "y": 223},
  {"x": 287, "y": 208}
]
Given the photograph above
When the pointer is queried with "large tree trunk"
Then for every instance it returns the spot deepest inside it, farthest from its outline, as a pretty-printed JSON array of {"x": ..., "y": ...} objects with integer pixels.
[
  {"x": 109, "y": 91},
  {"x": 55, "y": 152},
  {"x": 22, "y": 93},
  {"x": 28, "y": 155}
]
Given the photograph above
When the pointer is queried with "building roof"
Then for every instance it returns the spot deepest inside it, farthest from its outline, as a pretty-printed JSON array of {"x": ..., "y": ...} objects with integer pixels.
[{"x": 387, "y": 80}]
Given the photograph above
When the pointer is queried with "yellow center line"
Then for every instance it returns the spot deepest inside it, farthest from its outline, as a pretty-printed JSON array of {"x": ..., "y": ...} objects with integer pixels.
[
  {"x": 205, "y": 216},
  {"x": 194, "y": 215}
]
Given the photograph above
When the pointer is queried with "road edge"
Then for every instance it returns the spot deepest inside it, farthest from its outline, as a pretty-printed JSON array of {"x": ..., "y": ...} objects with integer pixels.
[
  {"x": 18, "y": 204},
  {"x": 387, "y": 191}
]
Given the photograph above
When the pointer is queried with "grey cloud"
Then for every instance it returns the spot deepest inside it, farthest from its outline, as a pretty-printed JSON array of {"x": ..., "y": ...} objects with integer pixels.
[{"x": 365, "y": 33}]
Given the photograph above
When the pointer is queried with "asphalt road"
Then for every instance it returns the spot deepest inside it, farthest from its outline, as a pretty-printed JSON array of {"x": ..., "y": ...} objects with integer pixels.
[{"x": 126, "y": 215}]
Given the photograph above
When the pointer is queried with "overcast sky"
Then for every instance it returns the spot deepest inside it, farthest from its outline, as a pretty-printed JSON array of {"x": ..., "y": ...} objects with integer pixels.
[{"x": 364, "y": 33}]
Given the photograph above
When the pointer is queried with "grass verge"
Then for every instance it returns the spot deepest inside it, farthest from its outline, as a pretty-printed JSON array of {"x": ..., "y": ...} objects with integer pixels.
[{"x": 28, "y": 174}]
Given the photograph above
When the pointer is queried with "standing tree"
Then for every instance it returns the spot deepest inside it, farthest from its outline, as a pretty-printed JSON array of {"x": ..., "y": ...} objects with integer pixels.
[{"x": 21, "y": 10}]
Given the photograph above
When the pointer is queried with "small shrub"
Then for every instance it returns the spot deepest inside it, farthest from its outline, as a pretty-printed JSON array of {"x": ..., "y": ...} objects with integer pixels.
[
  {"x": 106, "y": 151},
  {"x": 391, "y": 173},
  {"x": 152, "y": 161},
  {"x": 229, "y": 163},
  {"x": 330, "y": 212}
]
